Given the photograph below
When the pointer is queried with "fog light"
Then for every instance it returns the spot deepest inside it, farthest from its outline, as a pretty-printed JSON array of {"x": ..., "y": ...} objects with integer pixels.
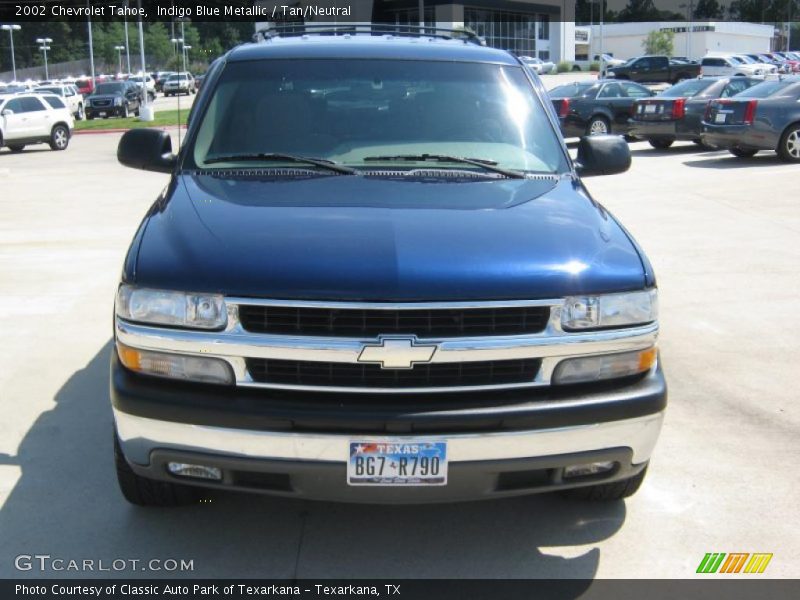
[
  {"x": 586, "y": 470},
  {"x": 194, "y": 471}
]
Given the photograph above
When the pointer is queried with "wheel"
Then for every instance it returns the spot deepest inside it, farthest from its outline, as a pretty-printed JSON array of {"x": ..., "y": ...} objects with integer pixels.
[
  {"x": 124, "y": 113},
  {"x": 142, "y": 491},
  {"x": 59, "y": 137},
  {"x": 742, "y": 153},
  {"x": 598, "y": 126},
  {"x": 789, "y": 147},
  {"x": 608, "y": 492},
  {"x": 16, "y": 147},
  {"x": 661, "y": 144},
  {"x": 90, "y": 117},
  {"x": 81, "y": 113},
  {"x": 137, "y": 111}
]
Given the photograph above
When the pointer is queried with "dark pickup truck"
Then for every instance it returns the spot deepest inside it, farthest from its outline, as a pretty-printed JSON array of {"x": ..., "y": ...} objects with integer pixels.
[{"x": 654, "y": 69}]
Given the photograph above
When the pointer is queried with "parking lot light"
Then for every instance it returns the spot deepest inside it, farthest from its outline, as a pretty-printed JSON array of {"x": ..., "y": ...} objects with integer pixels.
[
  {"x": 119, "y": 50},
  {"x": 43, "y": 46},
  {"x": 11, "y": 29}
]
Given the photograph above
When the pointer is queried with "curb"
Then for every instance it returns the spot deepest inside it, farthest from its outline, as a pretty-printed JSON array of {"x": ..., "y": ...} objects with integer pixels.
[{"x": 118, "y": 130}]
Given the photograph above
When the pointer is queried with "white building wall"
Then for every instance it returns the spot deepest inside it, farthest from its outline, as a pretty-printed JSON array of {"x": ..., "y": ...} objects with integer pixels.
[{"x": 624, "y": 40}]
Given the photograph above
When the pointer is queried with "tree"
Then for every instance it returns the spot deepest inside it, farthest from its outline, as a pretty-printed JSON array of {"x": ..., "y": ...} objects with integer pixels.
[
  {"x": 707, "y": 10},
  {"x": 659, "y": 42}
]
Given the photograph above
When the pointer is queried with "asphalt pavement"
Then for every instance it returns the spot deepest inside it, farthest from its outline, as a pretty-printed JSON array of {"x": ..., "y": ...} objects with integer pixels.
[{"x": 722, "y": 235}]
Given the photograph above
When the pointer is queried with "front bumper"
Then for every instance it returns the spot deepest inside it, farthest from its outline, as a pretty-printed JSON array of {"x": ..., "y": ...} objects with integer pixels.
[{"x": 285, "y": 443}]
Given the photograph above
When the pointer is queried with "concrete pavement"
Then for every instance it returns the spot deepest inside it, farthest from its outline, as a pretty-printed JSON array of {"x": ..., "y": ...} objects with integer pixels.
[{"x": 722, "y": 234}]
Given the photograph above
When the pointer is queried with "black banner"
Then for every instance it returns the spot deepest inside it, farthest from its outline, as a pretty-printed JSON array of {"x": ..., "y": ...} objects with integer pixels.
[{"x": 730, "y": 588}]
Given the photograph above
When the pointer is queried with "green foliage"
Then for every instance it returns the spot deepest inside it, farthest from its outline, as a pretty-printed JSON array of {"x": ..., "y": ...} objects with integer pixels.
[
  {"x": 564, "y": 66},
  {"x": 595, "y": 66},
  {"x": 659, "y": 42}
]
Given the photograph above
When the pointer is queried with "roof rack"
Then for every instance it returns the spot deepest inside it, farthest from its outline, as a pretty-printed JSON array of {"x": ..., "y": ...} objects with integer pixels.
[{"x": 384, "y": 29}]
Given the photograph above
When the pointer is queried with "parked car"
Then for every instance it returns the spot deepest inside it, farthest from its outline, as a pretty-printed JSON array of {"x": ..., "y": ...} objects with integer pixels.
[
  {"x": 768, "y": 69},
  {"x": 764, "y": 117},
  {"x": 653, "y": 69},
  {"x": 149, "y": 85},
  {"x": 730, "y": 66},
  {"x": 69, "y": 93},
  {"x": 114, "y": 99},
  {"x": 160, "y": 77},
  {"x": 537, "y": 65},
  {"x": 84, "y": 86},
  {"x": 179, "y": 83},
  {"x": 789, "y": 65},
  {"x": 34, "y": 119},
  {"x": 596, "y": 107},
  {"x": 376, "y": 276},
  {"x": 677, "y": 113}
]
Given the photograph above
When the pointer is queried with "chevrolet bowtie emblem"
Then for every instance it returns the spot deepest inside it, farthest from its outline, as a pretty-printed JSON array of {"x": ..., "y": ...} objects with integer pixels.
[{"x": 396, "y": 353}]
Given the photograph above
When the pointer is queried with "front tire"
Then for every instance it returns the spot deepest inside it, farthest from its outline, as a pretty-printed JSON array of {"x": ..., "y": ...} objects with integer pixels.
[
  {"x": 789, "y": 146},
  {"x": 742, "y": 153},
  {"x": 59, "y": 138},
  {"x": 598, "y": 126},
  {"x": 661, "y": 144},
  {"x": 81, "y": 113},
  {"x": 124, "y": 112},
  {"x": 608, "y": 492},
  {"x": 141, "y": 491}
]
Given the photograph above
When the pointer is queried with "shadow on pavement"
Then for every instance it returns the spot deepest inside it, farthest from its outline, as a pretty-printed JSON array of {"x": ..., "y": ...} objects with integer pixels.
[
  {"x": 690, "y": 148},
  {"x": 728, "y": 161},
  {"x": 66, "y": 504}
]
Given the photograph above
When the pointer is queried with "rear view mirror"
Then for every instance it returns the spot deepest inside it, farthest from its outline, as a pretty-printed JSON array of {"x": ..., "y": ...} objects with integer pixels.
[
  {"x": 147, "y": 149},
  {"x": 603, "y": 155}
]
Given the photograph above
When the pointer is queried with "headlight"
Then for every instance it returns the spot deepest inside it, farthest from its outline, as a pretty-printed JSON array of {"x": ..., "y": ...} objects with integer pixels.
[
  {"x": 175, "y": 366},
  {"x": 610, "y": 310},
  {"x": 604, "y": 366},
  {"x": 158, "y": 307},
  {"x": 117, "y": 101}
]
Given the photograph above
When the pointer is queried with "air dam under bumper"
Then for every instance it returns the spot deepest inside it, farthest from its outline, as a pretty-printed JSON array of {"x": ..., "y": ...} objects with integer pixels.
[{"x": 312, "y": 466}]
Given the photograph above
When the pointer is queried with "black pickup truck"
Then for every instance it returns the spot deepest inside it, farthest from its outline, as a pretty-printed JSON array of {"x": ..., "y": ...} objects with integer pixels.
[{"x": 654, "y": 69}]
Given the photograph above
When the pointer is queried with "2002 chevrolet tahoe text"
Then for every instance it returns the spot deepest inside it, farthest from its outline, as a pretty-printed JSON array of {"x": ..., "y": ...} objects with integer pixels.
[{"x": 376, "y": 276}]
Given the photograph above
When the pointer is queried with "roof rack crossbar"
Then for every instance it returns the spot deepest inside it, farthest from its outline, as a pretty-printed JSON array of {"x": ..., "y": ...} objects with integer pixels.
[{"x": 301, "y": 29}]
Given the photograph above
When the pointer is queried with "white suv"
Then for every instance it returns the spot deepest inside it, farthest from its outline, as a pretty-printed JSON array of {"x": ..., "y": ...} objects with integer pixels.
[
  {"x": 69, "y": 94},
  {"x": 35, "y": 119},
  {"x": 179, "y": 83},
  {"x": 730, "y": 66}
]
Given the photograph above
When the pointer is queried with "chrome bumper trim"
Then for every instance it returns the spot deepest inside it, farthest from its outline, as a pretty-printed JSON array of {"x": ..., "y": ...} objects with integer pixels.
[{"x": 139, "y": 436}]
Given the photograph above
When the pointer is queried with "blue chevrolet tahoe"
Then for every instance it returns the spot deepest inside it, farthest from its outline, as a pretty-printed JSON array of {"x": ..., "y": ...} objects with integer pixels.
[{"x": 376, "y": 276}]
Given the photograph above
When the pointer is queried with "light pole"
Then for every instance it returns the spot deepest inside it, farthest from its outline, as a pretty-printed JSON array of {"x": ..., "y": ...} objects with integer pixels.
[
  {"x": 119, "y": 50},
  {"x": 689, "y": 18},
  {"x": 11, "y": 29},
  {"x": 186, "y": 49},
  {"x": 91, "y": 44},
  {"x": 44, "y": 48}
]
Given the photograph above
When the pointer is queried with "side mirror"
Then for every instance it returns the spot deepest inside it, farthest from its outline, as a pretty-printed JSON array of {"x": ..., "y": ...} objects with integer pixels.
[
  {"x": 147, "y": 149},
  {"x": 8, "y": 112},
  {"x": 602, "y": 155}
]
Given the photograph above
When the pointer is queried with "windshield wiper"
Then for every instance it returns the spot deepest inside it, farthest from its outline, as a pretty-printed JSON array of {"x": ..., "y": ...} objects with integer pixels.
[
  {"x": 489, "y": 165},
  {"x": 278, "y": 157}
]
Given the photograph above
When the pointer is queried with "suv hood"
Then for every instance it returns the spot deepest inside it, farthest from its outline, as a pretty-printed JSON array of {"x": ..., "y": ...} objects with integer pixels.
[{"x": 378, "y": 239}]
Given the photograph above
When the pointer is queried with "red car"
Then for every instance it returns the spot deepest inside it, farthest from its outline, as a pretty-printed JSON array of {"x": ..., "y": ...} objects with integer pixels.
[{"x": 85, "y": 86}]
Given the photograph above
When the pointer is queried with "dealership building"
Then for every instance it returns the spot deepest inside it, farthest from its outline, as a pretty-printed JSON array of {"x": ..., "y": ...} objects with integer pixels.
[
  {"x": 541, "y": 28},
  {"x": 695, "y": 40}
]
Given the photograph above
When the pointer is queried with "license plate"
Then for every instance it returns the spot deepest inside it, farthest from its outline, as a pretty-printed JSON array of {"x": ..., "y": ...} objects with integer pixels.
[
  {"x": 102, "y": 114},
  {"x": 650, "y": 108},
  {"x": 720, "y": 118},
  {"x": 406, "y": 463}
]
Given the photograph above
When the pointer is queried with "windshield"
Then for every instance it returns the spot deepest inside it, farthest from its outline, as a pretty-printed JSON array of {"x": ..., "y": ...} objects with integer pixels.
[
  {"x": 745, "y": 59},
  {"x": 571, "y": 90},
  {"x": 768, "y": 88},
  {"x": 177, "y": 78},
  {"x": 109, "y": 88},
  {"x": 687, "y": 89},
  {"x": 354, "y": 112}
]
